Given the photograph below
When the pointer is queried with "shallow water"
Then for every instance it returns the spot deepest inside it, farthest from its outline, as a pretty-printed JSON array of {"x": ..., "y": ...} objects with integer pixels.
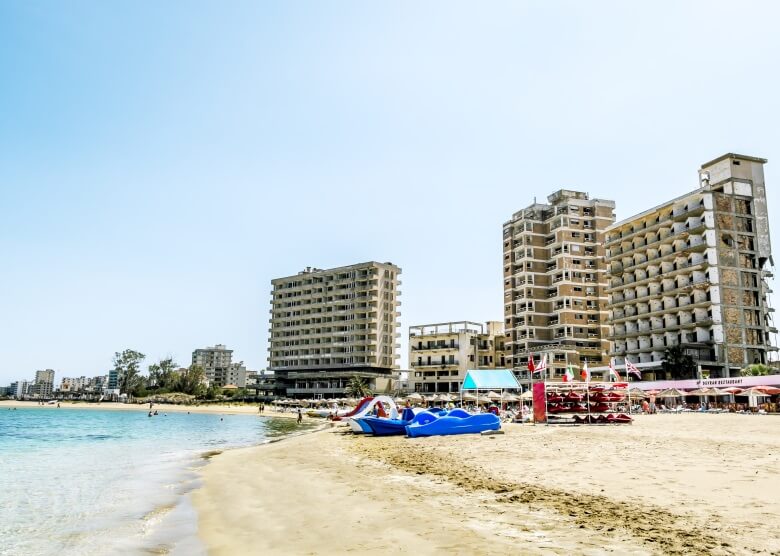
[{"x": 96, "y": 482}]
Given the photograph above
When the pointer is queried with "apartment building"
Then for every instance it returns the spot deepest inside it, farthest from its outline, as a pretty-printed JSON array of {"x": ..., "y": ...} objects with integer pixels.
[
  {"x": 43, "y": 386},
  {"x": 215, "y": 361},
  {"x": 692, "y": 272},
  {"x": 555, "y": 300},
  {"x": 328, "y": 326},
  {"x": 237, "y": 374},
  {"x": 73, "y": 384},
  {"x": 440, "y": 354}
]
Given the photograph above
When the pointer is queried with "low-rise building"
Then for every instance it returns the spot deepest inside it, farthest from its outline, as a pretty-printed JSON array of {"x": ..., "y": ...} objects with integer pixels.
[{"x": 441, "y": 353}]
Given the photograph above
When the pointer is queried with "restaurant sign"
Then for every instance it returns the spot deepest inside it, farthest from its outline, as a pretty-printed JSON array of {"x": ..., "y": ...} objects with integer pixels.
[{"x": 733, "y": 382}]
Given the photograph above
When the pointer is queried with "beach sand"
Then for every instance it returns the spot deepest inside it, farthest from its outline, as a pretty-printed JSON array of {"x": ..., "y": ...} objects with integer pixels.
[{"x": 667, "y": 484}]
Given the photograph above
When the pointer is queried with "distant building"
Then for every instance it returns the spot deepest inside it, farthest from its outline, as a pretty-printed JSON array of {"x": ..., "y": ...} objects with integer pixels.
[
  {"x": 5, "y": 391},
  {"x": 43, "y": 386},
  {"x": 97, "y": 384},
  {"x": 19, "y": 389},
  {"x": 440, "y": 354},
  {"x": 237, "y": 374},
  {"x": 692, "y": 272},
  {"x": 113, "y": 380},
  {"x": 555, "y": 299},
  {"x": 215, "y": 362},
  {"x": 328, "y": 326},
  {"x": 73, "y": 384}
]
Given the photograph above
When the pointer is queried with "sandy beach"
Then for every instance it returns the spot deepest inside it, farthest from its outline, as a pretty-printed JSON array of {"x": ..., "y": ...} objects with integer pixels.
[
  {"x": 222, "y": 409},
  {"x": 668, "y": 484}
]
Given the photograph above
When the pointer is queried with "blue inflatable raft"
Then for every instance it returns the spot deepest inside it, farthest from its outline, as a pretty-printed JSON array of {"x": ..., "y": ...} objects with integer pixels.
[{"x": 456, "y": 421}]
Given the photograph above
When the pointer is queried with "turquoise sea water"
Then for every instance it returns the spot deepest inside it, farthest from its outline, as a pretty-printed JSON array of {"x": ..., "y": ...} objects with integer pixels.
[{"x": 80, "y": 482}]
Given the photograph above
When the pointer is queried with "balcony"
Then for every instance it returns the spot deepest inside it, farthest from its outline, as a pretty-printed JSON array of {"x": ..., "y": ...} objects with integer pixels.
[
  {"x": 436, "y": 347},
  {"x": 433, "y": 365}
]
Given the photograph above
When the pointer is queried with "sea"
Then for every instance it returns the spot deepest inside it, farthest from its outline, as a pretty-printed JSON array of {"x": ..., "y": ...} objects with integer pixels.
[{"x": 83, "y": 482}]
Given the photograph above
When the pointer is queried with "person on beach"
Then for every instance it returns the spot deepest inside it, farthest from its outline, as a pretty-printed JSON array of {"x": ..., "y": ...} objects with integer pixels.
[{"x": 300, "y": 415}]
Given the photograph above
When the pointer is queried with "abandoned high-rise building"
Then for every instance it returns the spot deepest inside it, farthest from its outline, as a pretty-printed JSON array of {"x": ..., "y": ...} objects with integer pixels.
[
  {"x": 692, "y": 272},
  {"x": 555, "y": 300}
]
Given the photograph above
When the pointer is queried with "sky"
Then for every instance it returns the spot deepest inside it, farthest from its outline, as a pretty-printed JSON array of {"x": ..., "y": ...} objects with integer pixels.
[{"x": 161, "y": 162}]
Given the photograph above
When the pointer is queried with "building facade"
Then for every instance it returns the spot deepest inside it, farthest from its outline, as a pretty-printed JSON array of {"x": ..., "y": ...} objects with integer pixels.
[
  {"x": 43, "y": 387},
  {"x": 555, "y": 280},
  {"x": 440, "y": 354},
  {"x": 237, "y": 374},
  {"x": 215, "y": 362},
  {"x": 692, "y": 272},
  {"x": 328, "y": 326},
  {"x": 73, "y": 384}
]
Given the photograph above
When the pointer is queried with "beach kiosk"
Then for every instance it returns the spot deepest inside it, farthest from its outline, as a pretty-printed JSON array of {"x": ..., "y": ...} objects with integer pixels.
[{"x": 489, "y": 380}]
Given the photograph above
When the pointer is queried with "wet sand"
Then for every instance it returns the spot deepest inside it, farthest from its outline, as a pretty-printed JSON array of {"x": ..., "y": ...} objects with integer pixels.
[{"x": 668, "y": 484}]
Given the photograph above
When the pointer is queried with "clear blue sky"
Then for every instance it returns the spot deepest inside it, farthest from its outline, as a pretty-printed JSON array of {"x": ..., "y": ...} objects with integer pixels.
[{"x": 151, "y": 153}]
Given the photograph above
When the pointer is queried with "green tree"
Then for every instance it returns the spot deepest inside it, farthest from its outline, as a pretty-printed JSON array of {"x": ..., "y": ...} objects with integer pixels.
[
  {"x": 678, "y": 364},
  {"x": 127, "y": 364},
  {"x": 190, "y": 381},
  {"x": 162, "y": 375},
  {"x": 756, "y": 369},
  {"x": 357, "y": 388},
  {"x": 213, "y": 392}
]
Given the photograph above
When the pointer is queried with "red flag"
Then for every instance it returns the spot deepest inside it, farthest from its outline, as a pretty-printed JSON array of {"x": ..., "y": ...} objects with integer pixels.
[{"x": 531, "y": 367}]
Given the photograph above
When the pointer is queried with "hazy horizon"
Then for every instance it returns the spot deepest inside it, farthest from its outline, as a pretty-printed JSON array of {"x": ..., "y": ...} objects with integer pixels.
[{"x": 161, "y": 163}]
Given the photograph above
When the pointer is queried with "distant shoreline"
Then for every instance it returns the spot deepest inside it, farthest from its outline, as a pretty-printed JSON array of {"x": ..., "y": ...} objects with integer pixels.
[{"x": 227, "y": 409}]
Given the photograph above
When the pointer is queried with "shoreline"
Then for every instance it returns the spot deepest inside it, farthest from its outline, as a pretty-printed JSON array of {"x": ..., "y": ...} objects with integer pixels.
[
  {"x": 231, "y": 409},
  {"x": 668, "y": 484}
]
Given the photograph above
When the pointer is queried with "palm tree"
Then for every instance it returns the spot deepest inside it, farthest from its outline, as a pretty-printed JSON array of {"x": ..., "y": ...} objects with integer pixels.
[
  {"x": 357, "y": 388},
  {"x": 678, "y": 364}
]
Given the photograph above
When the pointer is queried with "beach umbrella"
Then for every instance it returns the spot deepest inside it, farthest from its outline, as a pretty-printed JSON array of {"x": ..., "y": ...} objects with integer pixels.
[
  {"x": 493, "y": 395},
  {"x": 754, "y": 391},
  {"x": 414, "y": 397},
  {"x": 715, "y": 392},
  {"x": 511, "y": 397},
  {"x": 527, "y": 395},
  {"x": 732, "y": 390},
  {"x": 672, "y": 393},
  {"x": 469, "y": 398},
  {"x": 700, "y": 392},
  {"x": 771, "y": 390},
  {"x": 637, "y": 394}
]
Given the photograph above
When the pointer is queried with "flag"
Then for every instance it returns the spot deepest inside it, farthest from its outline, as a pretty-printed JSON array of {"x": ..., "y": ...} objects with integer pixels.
[
  {"x": 531, "y": 366},
  {"x": 632, "y": 370},
  {"x": 612, "y": 372},
  {"x": 585, "y": 372},
  {"x": 542, "y": 364},
  {"x": 568, "y": 376}
]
